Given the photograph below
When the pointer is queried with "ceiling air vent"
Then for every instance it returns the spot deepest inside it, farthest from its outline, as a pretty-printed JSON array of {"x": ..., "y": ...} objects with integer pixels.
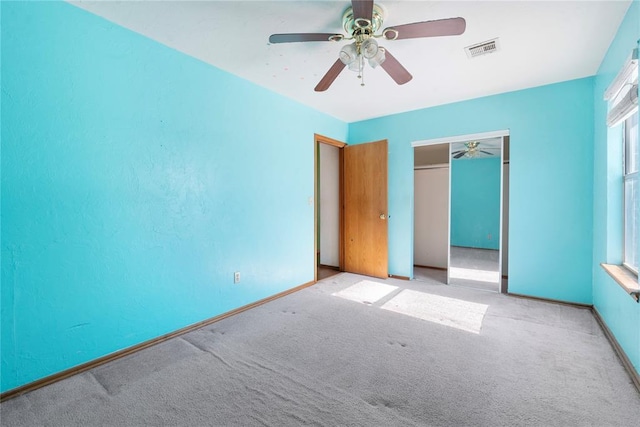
[{"x": 483, "y": 48}]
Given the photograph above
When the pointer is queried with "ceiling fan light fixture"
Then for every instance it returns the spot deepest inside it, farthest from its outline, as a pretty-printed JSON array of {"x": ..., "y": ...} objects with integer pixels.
[
  {"x": 356, "y": 65},
  {"x": 378, "y": 59},
  {"x": 349, "y": 54},
  {"x": 369, "y": 48}
]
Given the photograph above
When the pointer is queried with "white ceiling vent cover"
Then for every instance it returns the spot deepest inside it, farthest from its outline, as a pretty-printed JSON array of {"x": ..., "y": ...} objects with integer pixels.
[{"x": 484, "y": 48}]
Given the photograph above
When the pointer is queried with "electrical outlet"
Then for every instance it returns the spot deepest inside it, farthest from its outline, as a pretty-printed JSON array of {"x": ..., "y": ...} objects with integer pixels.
[{"x": 236, "y": 277}]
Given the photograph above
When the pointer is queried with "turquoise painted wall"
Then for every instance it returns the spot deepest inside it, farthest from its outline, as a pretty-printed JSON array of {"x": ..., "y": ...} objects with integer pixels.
[
  {"x": 551, "y": 180},
  {"x": 475, "y": 203},
  {"x": 620, "y": 312},
  {"x": 135, "y": 181}
]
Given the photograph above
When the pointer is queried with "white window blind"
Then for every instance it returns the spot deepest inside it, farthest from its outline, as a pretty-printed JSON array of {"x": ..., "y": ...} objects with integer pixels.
[{"x": 622, "y": 93}]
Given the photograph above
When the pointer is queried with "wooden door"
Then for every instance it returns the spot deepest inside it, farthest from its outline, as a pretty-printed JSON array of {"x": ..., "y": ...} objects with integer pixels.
[{"x": 365, "y": 209}]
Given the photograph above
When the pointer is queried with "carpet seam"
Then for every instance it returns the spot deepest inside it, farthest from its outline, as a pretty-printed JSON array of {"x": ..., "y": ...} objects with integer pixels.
[
  {"x": 262, "y": 365},
  {"x": 183, "y": 338},
  {"x": 97, "y": 380}
]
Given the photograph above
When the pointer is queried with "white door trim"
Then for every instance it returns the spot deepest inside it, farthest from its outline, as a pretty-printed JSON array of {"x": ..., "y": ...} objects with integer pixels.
[{"x": 459, "y": 138}]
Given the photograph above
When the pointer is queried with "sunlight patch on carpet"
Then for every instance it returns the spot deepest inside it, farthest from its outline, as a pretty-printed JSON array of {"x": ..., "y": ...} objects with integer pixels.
[
  {"x": 472, "y": 274},
  {"x": 452, "y": 312},
  {"x": 366, "y": 292}
]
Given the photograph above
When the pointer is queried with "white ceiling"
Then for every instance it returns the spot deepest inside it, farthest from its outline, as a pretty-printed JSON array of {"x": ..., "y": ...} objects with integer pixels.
[{"x": 541, "y": 43}]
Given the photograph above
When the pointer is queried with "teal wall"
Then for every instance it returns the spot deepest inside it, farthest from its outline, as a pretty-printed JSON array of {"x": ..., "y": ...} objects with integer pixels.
[
  {"x": 551, "y": 180},
  {"x": 620, "y": 312},
  {"x": 475, "y": 203},
  {"x": 135, "y": 181}
]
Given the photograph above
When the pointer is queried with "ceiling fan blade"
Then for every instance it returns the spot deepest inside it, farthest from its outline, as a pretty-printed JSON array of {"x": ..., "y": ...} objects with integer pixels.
[
  {"x": 462, "y": 153},
  {"x": 304, "y": 37},
  {"x": 331, "y": 75},
  {"x": 397, "y": 72},
  {"x": 362, "y": 9},
  {"x": 440, "y": 27},
  {"x": 456, "y": 152},
  {"x": 486, "y": 152}
]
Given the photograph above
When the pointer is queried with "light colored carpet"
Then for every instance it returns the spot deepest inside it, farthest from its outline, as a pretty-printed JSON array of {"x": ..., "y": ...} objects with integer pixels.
[
  {"x": 475, "y": 268},
  {"x": 477, "y": 275},
  {"x": 453, "y": 312},
  {"x": 366, "y": 292},
  {"x": 474, "y": 258},
  {"x": 313, "y": 358}
]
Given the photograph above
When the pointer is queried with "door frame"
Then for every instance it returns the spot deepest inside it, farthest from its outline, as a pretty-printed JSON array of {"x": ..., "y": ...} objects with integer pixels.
[{"x": 317, "y": 140}]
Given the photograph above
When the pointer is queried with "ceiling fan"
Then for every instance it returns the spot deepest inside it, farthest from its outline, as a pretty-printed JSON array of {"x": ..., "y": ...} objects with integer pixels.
[
  {"x": 361, "y": 21},
  {"x": 471, "y": 150}
]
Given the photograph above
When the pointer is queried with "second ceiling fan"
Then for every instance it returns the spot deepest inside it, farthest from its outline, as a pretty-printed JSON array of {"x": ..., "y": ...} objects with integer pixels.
[
  {"x": 471, "y": 149},
  {"x": 361, "y": 21}
]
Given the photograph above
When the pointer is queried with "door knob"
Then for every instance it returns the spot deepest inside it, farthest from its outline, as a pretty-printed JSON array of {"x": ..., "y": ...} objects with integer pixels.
[{"x": 383, "y": 216}]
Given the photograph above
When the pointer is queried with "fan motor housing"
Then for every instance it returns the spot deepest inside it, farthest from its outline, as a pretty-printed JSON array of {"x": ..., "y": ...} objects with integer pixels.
[{"x": 353, "y": 26}]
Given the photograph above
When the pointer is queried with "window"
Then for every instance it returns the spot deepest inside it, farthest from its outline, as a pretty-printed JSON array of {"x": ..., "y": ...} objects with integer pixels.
[
  {"x": 630, "y": 254},
  {"x": 622, "y": 95}
]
